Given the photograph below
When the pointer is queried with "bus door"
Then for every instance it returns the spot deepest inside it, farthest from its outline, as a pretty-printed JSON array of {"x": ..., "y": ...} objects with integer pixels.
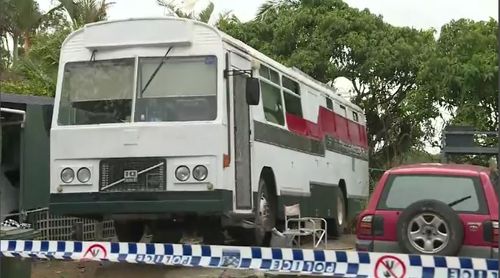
[{"x": 241, "y": 122}]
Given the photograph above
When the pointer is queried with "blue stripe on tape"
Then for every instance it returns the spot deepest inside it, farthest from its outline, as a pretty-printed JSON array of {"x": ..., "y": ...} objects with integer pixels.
[
  {"x": 364, "y": 258},
  {"x": 11, "y": 246},
  {"x": 256, "y": 253},
  {"x": 169, "y": 249},
  {"x": 415, "y": 260},
  {"x": 298, "y": 255},
  {"x": 150, "y": 249},
  {"x": 466, "y": 263},
  {"x": 61, "y": 246},
  {"x": 195, "y": 261},
  {"x": 115, "y": 248},
  {"x": 28, "y": 245},
  {"x": 44, "y": 246},
  {"x": 265, "y": 264},
  {"x": 277, "y": 254},
  {"x": 245, "y": 263},
  {"x": 132, "y": 248},
  {"x": 492, "y": 264},
  {"x": 187, "y": 250},
  {"x": 214, "y": 261},
  {"x": 206, "y": 251},
  {"x": 427, "y": 272},
  {"x": 440, "y": 262},
  {"x": 341, "y": 256},
  {"x": 319, "y": 255},
  {"x": 352, "y": 268},
  {"x": 78, "y": 246}
]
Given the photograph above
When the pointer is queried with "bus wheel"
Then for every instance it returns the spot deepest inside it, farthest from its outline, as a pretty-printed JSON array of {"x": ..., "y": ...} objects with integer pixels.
[
  {"x": 129, "y": 230},
  {"x": 337, "y": 225},
  {"x": 265, "y": 218}
]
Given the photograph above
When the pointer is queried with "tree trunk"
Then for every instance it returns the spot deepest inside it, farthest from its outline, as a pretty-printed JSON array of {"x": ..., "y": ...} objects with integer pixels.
[
  {"x": 27, "y": 42},
  {"x": 15, "y": 49}
]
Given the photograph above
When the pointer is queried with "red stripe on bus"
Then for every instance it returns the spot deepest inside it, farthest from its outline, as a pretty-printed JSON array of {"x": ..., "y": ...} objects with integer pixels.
[{"x": 329, "y": 123}]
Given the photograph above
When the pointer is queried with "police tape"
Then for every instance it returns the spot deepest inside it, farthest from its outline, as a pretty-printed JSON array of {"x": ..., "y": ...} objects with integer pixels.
[{"x": 299, "y": 261}]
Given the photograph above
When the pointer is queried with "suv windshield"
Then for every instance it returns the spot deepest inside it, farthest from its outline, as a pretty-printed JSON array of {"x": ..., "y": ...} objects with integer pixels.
[
  {"x": 404, "y": 190},
  {"x": 99, "y": 92}
]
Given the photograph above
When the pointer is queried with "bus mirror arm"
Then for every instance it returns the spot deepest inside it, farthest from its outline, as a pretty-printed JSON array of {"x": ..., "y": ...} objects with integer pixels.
[{"x": 253, "y": 91}]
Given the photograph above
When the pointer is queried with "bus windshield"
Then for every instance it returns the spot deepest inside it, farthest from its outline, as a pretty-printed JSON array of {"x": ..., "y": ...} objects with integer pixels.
[
  {"x": 184, "y": 89},
  {"x": 99, "y": 92}
]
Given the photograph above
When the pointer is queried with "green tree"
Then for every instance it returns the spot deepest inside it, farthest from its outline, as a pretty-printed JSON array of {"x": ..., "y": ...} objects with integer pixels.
[
  {"x": 82, "y": 12},
  {"x": 328, "y": 39},
  {"x": 463, "y": 72}
]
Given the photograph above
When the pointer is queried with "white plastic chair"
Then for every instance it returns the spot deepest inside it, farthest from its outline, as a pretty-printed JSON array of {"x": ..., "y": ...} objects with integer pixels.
[{"x": 298, "y": 226}]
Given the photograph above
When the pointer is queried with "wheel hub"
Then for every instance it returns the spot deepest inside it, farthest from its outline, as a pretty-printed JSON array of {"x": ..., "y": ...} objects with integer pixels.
[{"x": 428, "y": 233}]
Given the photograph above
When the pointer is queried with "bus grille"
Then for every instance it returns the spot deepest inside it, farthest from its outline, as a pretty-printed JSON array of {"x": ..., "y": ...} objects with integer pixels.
[{"x": 132, "y": 174}]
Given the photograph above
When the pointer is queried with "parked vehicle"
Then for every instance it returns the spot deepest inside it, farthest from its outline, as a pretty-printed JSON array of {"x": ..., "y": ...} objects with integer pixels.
[
  {"x": 181, "y": 125},
  {"x": 435, "y": 209}
]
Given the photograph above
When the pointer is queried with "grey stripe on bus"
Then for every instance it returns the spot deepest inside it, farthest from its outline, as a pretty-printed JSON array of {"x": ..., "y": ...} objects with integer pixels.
[{"x": 274, "y": 135}]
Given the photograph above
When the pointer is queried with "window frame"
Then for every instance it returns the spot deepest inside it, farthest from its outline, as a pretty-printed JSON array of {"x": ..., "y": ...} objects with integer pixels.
[
  {"x": 329, "y": 103},
  {"x": 282, "y": 101}
]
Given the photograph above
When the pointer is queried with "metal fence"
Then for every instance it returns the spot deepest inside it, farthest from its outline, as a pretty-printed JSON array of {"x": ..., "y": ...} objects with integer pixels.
[{"x": 55, "y": 227}]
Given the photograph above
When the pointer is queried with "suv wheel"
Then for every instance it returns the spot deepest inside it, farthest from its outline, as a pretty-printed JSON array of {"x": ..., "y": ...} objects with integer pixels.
[{"x": 430, "y": 227}]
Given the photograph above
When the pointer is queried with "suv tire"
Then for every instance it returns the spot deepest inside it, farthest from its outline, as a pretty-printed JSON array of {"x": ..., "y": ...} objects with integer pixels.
[{"x": 430, "y": 227}]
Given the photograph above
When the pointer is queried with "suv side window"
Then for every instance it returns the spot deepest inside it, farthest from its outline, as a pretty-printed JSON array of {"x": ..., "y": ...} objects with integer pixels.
[{"x": 404, "y": 190}]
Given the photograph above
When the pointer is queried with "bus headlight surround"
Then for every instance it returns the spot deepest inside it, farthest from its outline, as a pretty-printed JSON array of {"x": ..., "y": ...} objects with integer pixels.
[
  {"x": 200, "y": 173},
  {"x": 67, "y": 175},
  {"x": 83, "y": 175},
  {"x": 182, "y": 173}
]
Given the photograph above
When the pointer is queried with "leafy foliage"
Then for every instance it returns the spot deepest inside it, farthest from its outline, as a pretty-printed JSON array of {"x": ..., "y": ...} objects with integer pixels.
[{"x": 328, "y": 39}]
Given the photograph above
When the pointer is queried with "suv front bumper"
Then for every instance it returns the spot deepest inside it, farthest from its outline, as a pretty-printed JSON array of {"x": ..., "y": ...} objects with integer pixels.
[{"x": 215, "y": 202}]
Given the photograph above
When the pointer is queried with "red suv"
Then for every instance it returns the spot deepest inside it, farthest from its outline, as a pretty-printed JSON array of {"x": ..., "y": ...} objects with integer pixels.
[{"x": 434, "y": 209}]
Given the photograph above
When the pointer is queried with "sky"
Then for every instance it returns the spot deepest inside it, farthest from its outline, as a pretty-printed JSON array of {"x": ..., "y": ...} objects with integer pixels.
[{"x": 421, "y": 14}]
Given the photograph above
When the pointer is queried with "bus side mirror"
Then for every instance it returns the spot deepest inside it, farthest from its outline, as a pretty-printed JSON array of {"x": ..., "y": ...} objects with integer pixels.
[{"x": 253, "y": 91}]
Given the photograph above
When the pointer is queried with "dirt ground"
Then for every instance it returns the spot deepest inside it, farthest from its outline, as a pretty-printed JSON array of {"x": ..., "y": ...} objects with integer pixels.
[{"x": 62, "y": 269}]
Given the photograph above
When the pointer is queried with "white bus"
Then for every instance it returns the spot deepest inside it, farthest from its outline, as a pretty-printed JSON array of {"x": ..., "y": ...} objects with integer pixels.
[{"x": 171, "y": 124}]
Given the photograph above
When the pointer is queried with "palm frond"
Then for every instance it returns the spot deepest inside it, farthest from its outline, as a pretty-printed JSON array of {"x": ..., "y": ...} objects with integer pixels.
[{"x": 206, "y": 14}]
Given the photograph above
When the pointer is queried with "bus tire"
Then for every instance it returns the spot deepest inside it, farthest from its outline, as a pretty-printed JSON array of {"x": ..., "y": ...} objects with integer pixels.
[
  {"x": 129, "y": 230},
  {"x": 337, "y": 225},
  {"x": 265, "y": 214}
]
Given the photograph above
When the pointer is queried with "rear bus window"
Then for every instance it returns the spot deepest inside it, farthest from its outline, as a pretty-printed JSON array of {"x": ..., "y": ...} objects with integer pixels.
[{"x": 404, "y": 190}]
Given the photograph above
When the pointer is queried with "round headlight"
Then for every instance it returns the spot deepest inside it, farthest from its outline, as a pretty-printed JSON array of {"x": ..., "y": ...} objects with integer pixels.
[
  {"x": 200, "y": 172},
  {"x": 83, "y": 174},
  {"x": 182, "y": 173},
  {"x": 67, "y": 175}
]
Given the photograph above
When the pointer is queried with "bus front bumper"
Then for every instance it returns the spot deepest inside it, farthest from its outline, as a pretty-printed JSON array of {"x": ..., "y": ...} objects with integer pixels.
[{"x": 215, "y": 202}]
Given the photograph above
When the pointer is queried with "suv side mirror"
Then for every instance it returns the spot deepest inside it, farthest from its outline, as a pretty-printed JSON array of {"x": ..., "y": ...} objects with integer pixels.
[{"x": 252, "y": 91}]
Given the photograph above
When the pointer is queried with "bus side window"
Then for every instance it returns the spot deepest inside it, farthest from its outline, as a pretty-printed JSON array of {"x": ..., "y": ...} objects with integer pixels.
[
  {"x": 329, "y": 104},
  {"x": 271, "y": 100},
  {"x": 291, "y": 94},
  {"x": 355, "y": 116}
]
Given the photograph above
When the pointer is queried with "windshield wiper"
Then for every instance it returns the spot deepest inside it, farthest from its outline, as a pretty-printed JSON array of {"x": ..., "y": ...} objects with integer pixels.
[
  {"x": 156, "y": 71},
  {"x": 459, "y": 201}
]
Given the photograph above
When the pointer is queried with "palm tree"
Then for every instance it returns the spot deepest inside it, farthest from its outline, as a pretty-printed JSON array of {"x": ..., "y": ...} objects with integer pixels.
[
  {"x": 19, "y": 19},
  {"x": 188, "y": 10},
  {"x": 82, "y": 12}
]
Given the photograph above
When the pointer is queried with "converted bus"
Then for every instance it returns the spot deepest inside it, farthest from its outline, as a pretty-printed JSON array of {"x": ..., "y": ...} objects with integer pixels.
[{"x": 171, "y": 124}]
